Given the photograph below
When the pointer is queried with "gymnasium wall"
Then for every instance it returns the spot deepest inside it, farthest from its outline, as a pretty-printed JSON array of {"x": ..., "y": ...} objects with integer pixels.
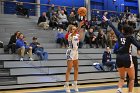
[
  {"x": 119, "y": 5},
  {"x": 9, "y": 7},
  {"x": 71, "y": 3}
]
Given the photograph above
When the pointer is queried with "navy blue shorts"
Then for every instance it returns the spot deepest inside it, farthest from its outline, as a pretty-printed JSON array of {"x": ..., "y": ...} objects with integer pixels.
[{"x": 123, "y": 60}]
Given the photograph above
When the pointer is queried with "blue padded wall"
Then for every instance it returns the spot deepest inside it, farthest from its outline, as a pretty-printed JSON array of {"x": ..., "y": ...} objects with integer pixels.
[
  {"x": 9, "y": 7},
  {"x": 71, "y": 3}
]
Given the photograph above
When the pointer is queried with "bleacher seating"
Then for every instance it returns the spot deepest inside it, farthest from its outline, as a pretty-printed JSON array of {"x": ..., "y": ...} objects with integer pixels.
[{"x": 25, "y": 74}]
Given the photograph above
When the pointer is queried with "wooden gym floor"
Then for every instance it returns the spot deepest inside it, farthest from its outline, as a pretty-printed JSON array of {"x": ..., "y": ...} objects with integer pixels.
[{"x": 90, "y": 88}]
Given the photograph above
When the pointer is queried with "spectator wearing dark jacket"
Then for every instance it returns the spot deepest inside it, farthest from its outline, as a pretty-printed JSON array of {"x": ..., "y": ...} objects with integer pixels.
[
  {"x": 54, "y": 21},
  {"x": 42, "y": 21},
  {"x": 72, "y": 19},
  {"x": 107, "y": 60},
  {"x": 90, "y": 38},
  {"x": 93, "y": 22},
  {"x": 38, "y": 49},
  {"x": 12, "y": 43},
  {"x": 21, "y": 10}
]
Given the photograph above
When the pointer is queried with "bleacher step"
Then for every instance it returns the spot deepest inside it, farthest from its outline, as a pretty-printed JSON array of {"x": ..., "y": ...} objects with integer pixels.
[{"x": 7, "y": 81}]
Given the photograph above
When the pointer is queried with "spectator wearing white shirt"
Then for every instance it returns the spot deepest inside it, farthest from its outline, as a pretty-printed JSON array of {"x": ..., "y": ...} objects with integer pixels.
[
  {"x": 132, "y": 20},
  {"x": 63, "y": 21}
]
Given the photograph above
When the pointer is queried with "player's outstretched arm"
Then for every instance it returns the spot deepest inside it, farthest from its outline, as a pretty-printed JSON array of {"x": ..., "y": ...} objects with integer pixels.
[{"x": 112, "y": 26}]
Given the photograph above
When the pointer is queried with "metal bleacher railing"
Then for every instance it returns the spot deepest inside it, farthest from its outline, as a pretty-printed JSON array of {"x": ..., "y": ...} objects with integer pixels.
[{"x": 94, "y": 12}]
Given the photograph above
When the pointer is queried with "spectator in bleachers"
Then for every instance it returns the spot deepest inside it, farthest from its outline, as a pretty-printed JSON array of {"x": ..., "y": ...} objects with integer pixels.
[
  {"x": 51, "y": 11},
  {"x": 111, "y": 38},
  {"x": 60, "y": 38},
  {"x": 127, "y": 10},
  {"x": 93, "y": 22},
  {"x": 107, "y": 59},
  {"x": 120, "y": 25},
  {"x": 12, "y": 43},
  {"x": 65, "y": 11},
  {"x": 38, "y": 49},
  {"x": 74, "y": 11},
  {"x": 54, "y": 21},
  {"x": 90, "y": 38},
  {"x": 42, "y": 21},
  {"x": 101, "y": 38},
  {"x": 63, "y": 21},
  {"x": 23, "y": 48},
  {"x": 58, "y": 10},
  {"x": 132, "y": 20},
  {"x": 21, "y": 10},
  {"x": 72, "y": 19}
]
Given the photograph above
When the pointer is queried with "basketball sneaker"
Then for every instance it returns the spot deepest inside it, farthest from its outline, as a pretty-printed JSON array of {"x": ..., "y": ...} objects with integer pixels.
[
  {"x": 119, "y": 91},
  {"x": 75, "y": 87},
  {"x": 67, "y": 88}
]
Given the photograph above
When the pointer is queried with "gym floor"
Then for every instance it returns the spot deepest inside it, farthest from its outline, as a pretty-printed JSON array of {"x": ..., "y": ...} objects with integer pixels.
[{"x": 89, "y": 88}]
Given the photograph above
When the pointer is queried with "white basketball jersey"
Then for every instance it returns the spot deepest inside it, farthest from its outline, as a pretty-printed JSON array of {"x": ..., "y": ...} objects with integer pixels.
[{"x": 73, "y": 41}]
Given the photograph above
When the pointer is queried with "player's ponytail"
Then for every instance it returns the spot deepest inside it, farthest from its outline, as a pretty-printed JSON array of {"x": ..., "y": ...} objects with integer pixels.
[{"x": 128, "y": 30}]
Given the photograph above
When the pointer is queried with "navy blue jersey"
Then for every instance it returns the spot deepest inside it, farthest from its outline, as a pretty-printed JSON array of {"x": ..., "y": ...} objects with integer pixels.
[{"x": 124, "y": 41}]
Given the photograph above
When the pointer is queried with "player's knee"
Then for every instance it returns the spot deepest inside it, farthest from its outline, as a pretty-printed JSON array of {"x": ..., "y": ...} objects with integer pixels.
[
  {"x": 122, "y": 78},
  {"x": 131, "y": 79},
  {"x": 69, "y": 68}
]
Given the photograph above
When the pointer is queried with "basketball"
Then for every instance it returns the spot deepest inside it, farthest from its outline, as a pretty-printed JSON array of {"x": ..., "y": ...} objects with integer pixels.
[{"x": 82, "y": 11}]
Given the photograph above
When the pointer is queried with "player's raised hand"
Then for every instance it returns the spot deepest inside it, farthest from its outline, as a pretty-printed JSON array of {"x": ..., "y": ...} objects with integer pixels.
[{"x": 82, "y": 23}]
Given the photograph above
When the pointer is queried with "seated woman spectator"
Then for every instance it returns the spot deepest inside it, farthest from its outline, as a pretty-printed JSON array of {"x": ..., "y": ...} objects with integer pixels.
[
  {"x": 60, "y": 38},
  {"x": 22, "y": 47},
  {"x": 111, "y": 38},
  {"x": 63, "y": 21},
  {"x": 21, "y": 10},
  {"x": 12, "y": 43},
  {"x": 72, "y": 19},
  {"x": 101, "y": 38},
  {"x": 42, "y": 21},
  {"x": 38, "y": 49},
  {"x": 90, "y": 38},
  {"x": 107, "y": 60},
  {"x": 54, "y": 21}
]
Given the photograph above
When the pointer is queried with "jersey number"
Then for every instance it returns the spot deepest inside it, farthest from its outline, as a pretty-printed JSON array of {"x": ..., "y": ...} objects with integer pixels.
[
  {"x": 68, "y": 54},
  {"x": 123, "y": 40}
]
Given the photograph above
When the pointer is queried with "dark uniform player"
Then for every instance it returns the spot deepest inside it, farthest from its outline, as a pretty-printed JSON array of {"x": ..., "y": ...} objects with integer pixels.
[
  {"x": 124, "y": 58},
  {"x": 134, "y": 57}
]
